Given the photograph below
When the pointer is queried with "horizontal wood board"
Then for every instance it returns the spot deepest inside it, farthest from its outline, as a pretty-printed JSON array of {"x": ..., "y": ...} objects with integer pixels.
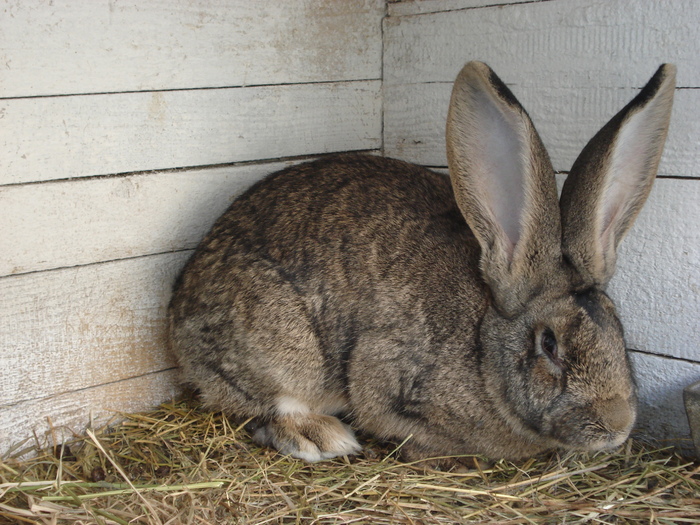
[
  {"x": 657, "y": 283},
  {"x": 70, "y": 329},
  {"x": 77, "y": 222},
  {"x": 658, "y": 273},
  {"x": 566, "y": 119},
  {"x": 58, "y": 418},
  {"x": 560, "y": 43},
  {"x": 107, "y": 88},
  {"x": 78, "y": 136},
  {"x": 73, "y": 46}
]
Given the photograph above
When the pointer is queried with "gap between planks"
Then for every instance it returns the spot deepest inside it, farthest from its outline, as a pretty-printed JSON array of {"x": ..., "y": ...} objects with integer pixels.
[
  {"x": 209, "y": 88},
  {"x": 97, "y": 263},
  {"x": 82, "y": 389},
  {"x": 395, "y": 8},
  {"x": 664, "y": 356},
  {"x": 196, "y": 167}
]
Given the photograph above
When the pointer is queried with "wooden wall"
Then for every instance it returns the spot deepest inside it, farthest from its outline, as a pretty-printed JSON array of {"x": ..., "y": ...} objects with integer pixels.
[
  {"x": 573, "y": 64},
  {"x": 127, "y": 127}
]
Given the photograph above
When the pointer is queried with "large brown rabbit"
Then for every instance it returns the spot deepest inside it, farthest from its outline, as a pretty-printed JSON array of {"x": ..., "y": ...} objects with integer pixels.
[{"x": 468, "y": 315}]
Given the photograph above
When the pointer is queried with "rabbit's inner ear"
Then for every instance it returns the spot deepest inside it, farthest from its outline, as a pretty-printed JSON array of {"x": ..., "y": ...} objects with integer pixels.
[
  {"x": 498, "y": 165},
  {"x": 612, "y": 177},
  {"x": 633, "y": 163},
  {"x": 504, "y": 185},
  {"x": 488, "y": 154}
]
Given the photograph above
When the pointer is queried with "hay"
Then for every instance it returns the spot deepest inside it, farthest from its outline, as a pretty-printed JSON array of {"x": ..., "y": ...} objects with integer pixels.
[{"x": 181, "y": 465}]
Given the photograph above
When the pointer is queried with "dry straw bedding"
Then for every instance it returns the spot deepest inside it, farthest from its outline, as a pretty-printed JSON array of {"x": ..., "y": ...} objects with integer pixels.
[{"x": 179, "y": 464}]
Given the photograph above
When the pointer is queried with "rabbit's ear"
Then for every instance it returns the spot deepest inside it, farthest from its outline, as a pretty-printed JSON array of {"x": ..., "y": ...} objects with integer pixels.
[
  {"x": 612, "y": 177},
  {"x": 504, "y": 185}
]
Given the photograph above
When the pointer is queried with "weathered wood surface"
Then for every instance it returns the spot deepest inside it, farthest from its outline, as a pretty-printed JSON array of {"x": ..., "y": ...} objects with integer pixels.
[
  {"x": 54, "y": 419},
  {"x": 551, "y": 55},
  {"x": 176, "y": 107},
  {"x": 560, "y": 43},
  {"x": 77, "y": 222},
  {"x": 657, "y": 283},
  {"x": 77, "y": 136},
  {"x": 74, "y": 328},
  {"x": 73, "y": 46}
]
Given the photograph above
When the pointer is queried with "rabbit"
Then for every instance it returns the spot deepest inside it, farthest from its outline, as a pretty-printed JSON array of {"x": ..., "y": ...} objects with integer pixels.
[{"x": 461, "y": 315}]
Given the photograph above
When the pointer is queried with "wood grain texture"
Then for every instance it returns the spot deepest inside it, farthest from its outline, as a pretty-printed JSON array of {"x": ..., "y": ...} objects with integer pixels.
[
  {"x": 73, "y": 46},
  {"x": 71, "y": 412},
  {"x": 566, "y": 118},
  {"x": 147, "y": 86},
  {"x": 562, "y": 43},
  {"x": 75, "y": 328},
  {"x": 657, "y": 283},
  {"x": 77, "y": 222},
  {"x": 69, "y": 137}
]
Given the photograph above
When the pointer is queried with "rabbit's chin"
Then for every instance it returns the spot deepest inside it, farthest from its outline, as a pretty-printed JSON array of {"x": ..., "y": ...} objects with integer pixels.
[
  {"x": 608, "y": 444},
  {"x": 603, "y": 444}
]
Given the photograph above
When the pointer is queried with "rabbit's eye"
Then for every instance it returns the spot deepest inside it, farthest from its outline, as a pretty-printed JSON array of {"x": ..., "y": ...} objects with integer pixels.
[{"x": 549, "y": 345}]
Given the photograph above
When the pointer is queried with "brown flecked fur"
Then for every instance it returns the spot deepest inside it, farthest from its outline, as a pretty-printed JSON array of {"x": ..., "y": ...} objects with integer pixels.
[{"x": 424, "y": 306}]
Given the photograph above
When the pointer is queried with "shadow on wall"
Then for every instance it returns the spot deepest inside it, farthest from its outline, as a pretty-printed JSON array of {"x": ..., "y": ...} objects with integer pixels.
[{"x": 661, "y": 411}]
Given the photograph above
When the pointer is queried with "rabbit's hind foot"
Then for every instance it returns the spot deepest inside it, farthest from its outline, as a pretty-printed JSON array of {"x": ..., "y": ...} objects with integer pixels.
[{"x": 308, "y": 436}]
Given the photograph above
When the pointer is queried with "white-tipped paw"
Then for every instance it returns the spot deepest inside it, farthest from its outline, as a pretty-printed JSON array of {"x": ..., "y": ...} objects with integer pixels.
[{"x": 311, "y": 437}]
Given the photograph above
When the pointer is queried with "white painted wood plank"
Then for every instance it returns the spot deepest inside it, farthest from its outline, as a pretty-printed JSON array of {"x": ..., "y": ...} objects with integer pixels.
[
  {"x": 69, "y": 329},
  {"x": 657, "y": 283},
  {"x": 72, "y": 412},
  {"x": 565, "y": 43},
  {"x": 415, "y": 116},
  {"x": 661, "y": 411},
  {"x": 74, "y": 46},
  {"x": 77, "y": 136},
  {"x": 77, "y": 222},
  {"x": 421, "y": 7},
  {"x": 566, "y": 118}
]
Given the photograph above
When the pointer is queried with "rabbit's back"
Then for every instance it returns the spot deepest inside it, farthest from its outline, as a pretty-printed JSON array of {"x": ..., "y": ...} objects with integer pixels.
[
  {"x": 349, "y": 230},
  {"x": 341, "y": 210}
]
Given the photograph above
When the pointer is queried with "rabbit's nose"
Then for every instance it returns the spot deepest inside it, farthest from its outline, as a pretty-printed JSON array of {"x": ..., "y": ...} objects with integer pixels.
[{"x": 617, "y": 414}]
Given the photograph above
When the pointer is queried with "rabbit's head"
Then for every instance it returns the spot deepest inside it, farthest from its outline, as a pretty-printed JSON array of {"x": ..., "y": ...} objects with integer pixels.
[{"x": 554, "y": 360}]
